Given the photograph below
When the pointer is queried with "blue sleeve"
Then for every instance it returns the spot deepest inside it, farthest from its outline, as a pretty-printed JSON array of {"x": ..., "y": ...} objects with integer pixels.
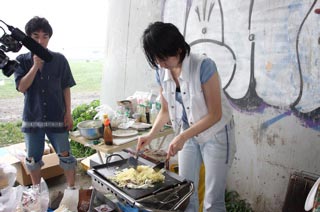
[
  {"x": 207, "y": 69},
  {"x": 67, "y": 80},
  {"x": 23, "y": 68}
]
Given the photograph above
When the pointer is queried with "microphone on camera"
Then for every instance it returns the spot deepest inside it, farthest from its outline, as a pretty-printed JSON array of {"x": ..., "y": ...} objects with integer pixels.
[{"x": 30, "y": 44}]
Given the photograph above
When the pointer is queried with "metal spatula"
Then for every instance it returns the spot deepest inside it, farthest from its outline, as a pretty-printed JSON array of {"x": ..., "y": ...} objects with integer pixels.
[{"x": 133, "y": 160}]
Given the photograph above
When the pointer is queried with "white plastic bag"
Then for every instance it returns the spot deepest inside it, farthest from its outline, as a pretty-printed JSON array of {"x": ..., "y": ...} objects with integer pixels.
[
  {"x": 35, "y": 198},
  {"x": 69, "y": 201},
  {"x": 309, "y": 203},
  {"x": 10, "y": 196},
  {"x": 103, "y": 109}
]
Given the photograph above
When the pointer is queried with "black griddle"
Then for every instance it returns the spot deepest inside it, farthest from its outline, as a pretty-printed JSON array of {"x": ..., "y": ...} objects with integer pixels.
[
  {"x": 109, "y": 169},
  {"x": 170, "y": 194}
]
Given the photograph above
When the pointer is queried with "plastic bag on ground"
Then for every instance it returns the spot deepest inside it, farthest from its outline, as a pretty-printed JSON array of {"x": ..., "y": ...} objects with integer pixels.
[
  {"x": 35, "y": 198},
  {"x": 69, "y": 201},
  {"x": 10, "y": 196}
]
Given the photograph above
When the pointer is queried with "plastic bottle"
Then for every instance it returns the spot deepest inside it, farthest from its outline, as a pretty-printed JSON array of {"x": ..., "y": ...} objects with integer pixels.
[
  {"x": 142, "y": 111},
  {"x": 107, "y": 133},
  {"x": 153, "y": 113}
]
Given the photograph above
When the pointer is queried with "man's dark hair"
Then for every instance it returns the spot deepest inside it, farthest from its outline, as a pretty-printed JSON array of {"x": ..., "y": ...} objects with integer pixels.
[
  {"x": 36, "y": 24},
  {"x": 162, "y": 40}
]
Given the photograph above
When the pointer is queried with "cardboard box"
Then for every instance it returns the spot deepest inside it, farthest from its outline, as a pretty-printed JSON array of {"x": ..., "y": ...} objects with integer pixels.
[{"x": 50, "y": 169}]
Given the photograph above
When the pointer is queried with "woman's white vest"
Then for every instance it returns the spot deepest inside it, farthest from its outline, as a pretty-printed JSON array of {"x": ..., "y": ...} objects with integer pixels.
[{"x": 192, "y": 97}]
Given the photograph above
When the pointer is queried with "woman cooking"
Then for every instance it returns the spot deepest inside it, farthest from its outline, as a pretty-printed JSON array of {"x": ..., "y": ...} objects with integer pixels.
[{"x": 190, "y": 83}]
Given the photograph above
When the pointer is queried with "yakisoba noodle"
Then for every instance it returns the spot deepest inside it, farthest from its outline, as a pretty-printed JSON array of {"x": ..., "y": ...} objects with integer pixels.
[{"x": 142, "y": 177}]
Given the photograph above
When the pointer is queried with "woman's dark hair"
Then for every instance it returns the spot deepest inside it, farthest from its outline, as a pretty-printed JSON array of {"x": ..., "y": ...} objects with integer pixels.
[
  {"x": 162, "y": 40},
  {"x": 36, "y": 24}
]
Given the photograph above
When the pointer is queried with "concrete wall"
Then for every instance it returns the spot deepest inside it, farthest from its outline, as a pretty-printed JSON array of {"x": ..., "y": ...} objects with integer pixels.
[
  {"x": 267, "y": 53},
  {"x": 126, "y": 69}
]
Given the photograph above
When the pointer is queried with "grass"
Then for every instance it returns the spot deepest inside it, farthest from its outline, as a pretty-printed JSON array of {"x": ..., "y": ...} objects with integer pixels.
[
  {"x": 87, "y": 74},
  {"x": 10, "y": 134},
  {"x": 8, "y": 88}
]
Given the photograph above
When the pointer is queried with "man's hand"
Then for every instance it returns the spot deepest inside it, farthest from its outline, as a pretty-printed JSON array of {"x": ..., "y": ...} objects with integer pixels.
[
  {"x": 68, "y": 122},
  {"x": 37, "y": 62}
]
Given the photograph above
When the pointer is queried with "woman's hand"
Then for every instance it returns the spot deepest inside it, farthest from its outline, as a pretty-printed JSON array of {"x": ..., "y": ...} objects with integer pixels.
[
  {"x": 176, "y": 145},
  {"x": 143, "y": 141}
]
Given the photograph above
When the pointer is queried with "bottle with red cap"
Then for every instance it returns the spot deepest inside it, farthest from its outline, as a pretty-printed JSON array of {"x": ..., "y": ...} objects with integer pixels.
[{"x": 107, "y": 132}]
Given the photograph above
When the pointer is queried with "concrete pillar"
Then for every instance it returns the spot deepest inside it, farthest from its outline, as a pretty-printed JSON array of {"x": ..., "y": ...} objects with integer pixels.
[{"x": 126, "y": 69}]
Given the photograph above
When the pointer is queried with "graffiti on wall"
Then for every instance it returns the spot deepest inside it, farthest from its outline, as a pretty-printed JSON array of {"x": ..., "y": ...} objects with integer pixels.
[{"x": 267, "y": 52}]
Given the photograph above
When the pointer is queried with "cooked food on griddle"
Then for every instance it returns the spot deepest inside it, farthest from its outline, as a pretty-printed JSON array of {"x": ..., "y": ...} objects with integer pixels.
[{"x": 142, "y": 177}]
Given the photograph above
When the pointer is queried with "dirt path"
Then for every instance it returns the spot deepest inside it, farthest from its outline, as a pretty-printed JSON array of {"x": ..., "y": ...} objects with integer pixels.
[{"x": 11, "y": 109}]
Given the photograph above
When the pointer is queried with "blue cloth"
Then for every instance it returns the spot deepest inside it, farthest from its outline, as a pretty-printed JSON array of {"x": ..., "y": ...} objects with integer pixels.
[
  {"x": 207, "y": 69},
  {"x": 217, "y": 155},
  {"x": 44, "y": 105},
  {"x": 127, "y": 208},
  {"x": 35, "y": 145}
]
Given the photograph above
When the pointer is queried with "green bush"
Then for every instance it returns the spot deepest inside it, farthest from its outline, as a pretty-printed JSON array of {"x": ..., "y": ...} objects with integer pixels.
[
  {"x": 84, "y": 112},
  {"x": 81, "y": 113},
  {"x": 235, "y": 204},
  {"x": 80, "y": 151}
]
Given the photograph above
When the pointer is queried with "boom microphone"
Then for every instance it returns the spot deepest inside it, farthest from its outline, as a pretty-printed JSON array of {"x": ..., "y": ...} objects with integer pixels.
[{"x": 30, "y": 44}]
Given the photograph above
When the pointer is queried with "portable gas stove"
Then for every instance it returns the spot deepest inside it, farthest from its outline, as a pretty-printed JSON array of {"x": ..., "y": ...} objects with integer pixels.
[{"x": 171, "y": 195}]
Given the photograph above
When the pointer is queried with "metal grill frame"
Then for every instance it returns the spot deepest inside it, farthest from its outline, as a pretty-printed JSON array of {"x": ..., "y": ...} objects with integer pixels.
[{"x": 103, "y": 186}]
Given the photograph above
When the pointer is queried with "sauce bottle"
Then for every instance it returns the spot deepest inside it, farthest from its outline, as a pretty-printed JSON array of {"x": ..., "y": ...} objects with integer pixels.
[{"x": 107, "y": 132}]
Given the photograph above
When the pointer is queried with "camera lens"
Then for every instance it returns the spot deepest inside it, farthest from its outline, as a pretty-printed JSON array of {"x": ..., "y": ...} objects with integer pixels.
[
  {"x": 10, "y": 67},
  {"x": 9, "y": 44}
]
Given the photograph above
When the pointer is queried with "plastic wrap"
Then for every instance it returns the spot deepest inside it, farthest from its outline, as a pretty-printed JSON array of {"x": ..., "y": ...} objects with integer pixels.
[
  {"x": 35, "y": 198},
  {"x": 9, "y": 196}
]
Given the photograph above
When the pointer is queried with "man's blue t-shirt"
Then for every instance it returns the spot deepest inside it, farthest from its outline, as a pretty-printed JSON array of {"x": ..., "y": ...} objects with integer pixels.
[{"x": 44, "y": 105}]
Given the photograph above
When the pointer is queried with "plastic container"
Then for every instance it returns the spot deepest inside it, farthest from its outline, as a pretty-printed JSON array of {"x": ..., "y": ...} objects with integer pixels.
[{"x": 153, "y": 113}]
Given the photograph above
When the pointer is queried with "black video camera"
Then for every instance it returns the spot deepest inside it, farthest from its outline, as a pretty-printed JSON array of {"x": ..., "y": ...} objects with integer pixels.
[
  {"x": 8, "y": 43},
  {"x": 14, "y": 42}
]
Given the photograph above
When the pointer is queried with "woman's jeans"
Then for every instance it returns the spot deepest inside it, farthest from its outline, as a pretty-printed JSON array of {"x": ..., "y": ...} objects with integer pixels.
[{"x": 217, "y": 155}]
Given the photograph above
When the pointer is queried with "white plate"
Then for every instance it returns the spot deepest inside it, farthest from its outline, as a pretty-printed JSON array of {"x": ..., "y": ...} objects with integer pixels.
[
  {"x": 310, "y": 199},
  {"x": 140, "y": 125},
  {"x": 124, "y": 133}
]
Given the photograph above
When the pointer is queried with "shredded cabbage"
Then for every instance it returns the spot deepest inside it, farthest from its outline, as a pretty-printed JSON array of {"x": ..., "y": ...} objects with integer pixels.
[{"x": 143, "y": 177}]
